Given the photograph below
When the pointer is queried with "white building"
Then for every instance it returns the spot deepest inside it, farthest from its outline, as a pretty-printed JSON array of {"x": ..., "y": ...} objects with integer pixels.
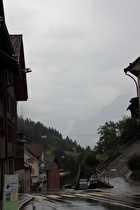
[{"x": 34, "y": 163}]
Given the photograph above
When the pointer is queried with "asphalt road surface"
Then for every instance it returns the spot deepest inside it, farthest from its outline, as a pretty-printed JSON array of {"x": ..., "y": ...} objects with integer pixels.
[
  {"x": 125, "y": 195},
  {"x": 73, "y": 205},
  {"x": 88, "y": 200}
]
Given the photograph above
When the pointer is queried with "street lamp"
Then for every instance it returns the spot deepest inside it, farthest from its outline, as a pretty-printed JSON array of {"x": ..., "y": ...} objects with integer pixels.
[
  {"x": 134, "y": 106},
  {"x": 137, "y": 90}
]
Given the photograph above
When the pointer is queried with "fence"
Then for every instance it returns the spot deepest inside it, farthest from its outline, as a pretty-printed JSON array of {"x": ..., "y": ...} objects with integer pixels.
[{"x": 102, "y": 168}]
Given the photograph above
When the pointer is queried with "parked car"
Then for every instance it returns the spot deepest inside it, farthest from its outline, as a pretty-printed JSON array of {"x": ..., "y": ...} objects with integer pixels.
[
  {"x": 83, "y": 183},
  {"x": 93, "y": 181},
  {"x": 68, "y": 186}
]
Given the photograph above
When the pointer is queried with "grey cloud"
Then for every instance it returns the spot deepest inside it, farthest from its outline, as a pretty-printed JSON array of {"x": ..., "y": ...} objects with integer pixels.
[{"x": 77, "y": 50}]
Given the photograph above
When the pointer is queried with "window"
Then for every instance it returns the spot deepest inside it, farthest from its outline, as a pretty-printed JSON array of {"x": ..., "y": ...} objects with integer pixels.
[
  {"x": 33, "y": 171},
  {"x": 14, "y": 135},
  {"x": 8, "y": 103},
  {"x": 56, "y": 166},
  {"x": 9, "y": 133},
  {"x": 10, "y": 76},
  {"x": 57, "y": 174},
  {"x": 51, "y": 175},
  {"x": 1, "y": 122},
  {"x": 51, "y": 184},
  {"x": 12, "y": 108},
  {"x": 2, "y": 126},
  {"x": 29, "y": 160}
]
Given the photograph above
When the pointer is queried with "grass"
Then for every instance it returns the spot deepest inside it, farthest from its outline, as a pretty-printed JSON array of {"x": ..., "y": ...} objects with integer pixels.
[
  {"x": 68, "y": 153},
  {"x": 73, "y": 154}
]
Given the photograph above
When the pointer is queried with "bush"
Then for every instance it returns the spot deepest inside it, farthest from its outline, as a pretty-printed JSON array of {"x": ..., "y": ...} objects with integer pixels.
[
  {"x": 136, "y": 175},
  {"x": 91, "y": 160},
  {"x": 105, "y": 155},
  {"x": 134, "y": 162}
]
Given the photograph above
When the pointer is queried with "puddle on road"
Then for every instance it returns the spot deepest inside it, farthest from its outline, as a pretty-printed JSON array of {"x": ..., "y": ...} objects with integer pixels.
[{"x": 93, "y": 205}]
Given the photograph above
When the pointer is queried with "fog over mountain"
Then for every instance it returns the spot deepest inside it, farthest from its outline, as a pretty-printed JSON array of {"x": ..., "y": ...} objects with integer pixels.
[
  {"x": 77, "y": 51},
  {"x": 85, "y": 131}
]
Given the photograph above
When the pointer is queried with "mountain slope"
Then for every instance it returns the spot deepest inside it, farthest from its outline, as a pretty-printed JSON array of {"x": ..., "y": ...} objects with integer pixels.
[{"x": 85, "y": 131}]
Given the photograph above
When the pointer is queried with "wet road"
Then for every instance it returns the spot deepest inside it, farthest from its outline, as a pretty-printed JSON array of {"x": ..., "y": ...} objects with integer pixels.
[
  {"x": 123, "y": 186},
  {"x": 84, "y": 200},
  {"x": 129, "y": 191},
  {"x": 124, "y": 196},
  {"x": 76, "y": 204}
]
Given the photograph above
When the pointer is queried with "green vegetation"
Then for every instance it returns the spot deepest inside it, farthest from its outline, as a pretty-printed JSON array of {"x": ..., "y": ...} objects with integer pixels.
[
  {"x": 113, "y": 135},
  {"x": 90, "y": 159},
  {"x": 134, "y": 165},
  {"x": 71, "y": 156},
  {"x": 68, "y": 152},
  {"x": 134, "y": 162},
  {"x": 37, "y": 133},
  {"x": 136, "y": 175},
  {"x": 88, "y": 166}
]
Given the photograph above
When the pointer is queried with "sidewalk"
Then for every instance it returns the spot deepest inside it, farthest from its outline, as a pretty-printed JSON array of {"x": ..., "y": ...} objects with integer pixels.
[{"x": 23, "y": 199}]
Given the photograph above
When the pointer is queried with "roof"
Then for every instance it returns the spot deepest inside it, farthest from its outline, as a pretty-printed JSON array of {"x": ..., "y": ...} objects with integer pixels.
[
  {"x": 21, "y": 87},
  {"x": 36, "y": 150},
  {"x": 50, "y": 159},
  {"x": 6, "y": 44},
  {"x": 31, "y": 155},
  {"x": 134, "y": 67},
  {"x": 6, "y": 48},
  {"x": 1, "y": 9}
]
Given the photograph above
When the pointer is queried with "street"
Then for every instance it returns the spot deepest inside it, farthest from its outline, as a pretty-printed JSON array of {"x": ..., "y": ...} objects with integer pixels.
[
  {"x": 84, "y": 200},
  {"x": 124, "y": 196},
  {"x": 75, "y": 204}
]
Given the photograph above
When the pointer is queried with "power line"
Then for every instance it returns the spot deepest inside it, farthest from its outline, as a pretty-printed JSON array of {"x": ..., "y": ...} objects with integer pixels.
[{"x": 82, "y": 135}]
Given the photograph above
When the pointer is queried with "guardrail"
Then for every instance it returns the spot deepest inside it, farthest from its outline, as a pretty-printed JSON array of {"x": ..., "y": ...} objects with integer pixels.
[{"x": 104, "y": 165}]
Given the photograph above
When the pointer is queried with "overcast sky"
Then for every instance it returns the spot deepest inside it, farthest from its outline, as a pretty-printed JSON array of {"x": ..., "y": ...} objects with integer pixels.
[{"x": 77, "y": 50}]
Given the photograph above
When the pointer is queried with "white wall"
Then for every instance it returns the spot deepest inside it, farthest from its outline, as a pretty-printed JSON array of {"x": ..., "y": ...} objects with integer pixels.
[{"x": 35, "y": 166}]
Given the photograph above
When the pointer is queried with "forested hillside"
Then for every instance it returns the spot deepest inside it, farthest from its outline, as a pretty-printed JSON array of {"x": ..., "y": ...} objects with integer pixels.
[
  {"x": 68, "y": 152},
  {"x": 70, "y": 155},
  {"x": 37, "y": 133}
]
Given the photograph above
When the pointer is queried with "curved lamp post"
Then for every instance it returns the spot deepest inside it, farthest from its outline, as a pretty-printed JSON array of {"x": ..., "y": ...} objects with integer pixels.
[{"x": 137, "y": 90}]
